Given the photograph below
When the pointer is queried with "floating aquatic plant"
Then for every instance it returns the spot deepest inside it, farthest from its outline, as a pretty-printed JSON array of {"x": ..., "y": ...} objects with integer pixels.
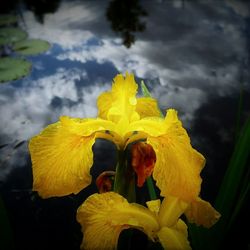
[
  {"x": 13, "y": 41},
  {"x": 31, "y": 47},
  {"x": 13, "y": 68},
  {"x": 9, "y": 36},
  {"x": 7, "y": 19}
]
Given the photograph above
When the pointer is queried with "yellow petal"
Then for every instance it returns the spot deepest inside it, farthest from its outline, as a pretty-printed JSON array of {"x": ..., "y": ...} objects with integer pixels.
[
  {"x": 104, "y": 103},
  {"x": 174, "y": 239},
  {"x": 178, "y": 165},
  {"x": 123, "y": 100},
  {"x": 86, "y": 127},
  {"x": 181, "y": 227},
  {"x": 149, "y": 126},
  {"x": 104, "y": 216},
  {"x": 62, "y": 156},
  {"x": 152, "y": 126},
  {"x": 147, "y": 106},
  {"x": 154, "y": 205},
  {"x": 202, "y": 213},
  {"x": 171, "y": 210}
]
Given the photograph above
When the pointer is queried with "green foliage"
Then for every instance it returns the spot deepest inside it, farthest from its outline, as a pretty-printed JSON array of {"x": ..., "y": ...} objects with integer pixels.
[
  {"x": 13, "y": 68},
  {"x": 151, "y": 189},
  {"x": 231, "y": 197},
  {"x": 14, "y": 40},
  {"x": 145, "y": 90},
  {"x": 7, "y": 19},
  {"x": 234, "y": 188},
  {"x": 11, "y": 35},
  {"x": 31, "y": 47}
]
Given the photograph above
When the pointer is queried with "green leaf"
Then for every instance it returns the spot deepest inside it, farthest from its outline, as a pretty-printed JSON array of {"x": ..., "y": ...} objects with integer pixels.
[
  {"x": 31, "y": 46},
  {"x": 232, "y": 195},
  {"x": 7, "y": 19},
  {"x": 151, "y": 189},
  {"x": 11, "y": 35},
  {"x": 13, "y": 68},
  {"x": 146, "y": 93},
  {"x": 231, "y": 184},
  {"x": 145, "y": 90}
]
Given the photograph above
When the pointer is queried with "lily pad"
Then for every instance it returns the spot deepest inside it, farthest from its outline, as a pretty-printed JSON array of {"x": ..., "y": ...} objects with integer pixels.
[
  {"x": 31, "y": 46},
  {"x": 13, "y": 68},
  {"x": 7, "y": 19},
  {"x": 11, "y": 35}
]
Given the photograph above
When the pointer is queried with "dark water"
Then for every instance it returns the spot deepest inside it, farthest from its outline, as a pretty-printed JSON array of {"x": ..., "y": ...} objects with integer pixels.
[{"x": 193, "y": 56}]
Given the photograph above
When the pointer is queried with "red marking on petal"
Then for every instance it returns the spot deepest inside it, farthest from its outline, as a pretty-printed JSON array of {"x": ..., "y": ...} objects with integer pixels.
[{"x": 143, "y": 161}]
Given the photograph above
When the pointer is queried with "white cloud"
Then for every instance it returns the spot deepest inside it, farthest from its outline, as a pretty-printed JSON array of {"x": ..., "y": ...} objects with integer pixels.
[
  {"x": 60, "y": 27},
  {"x": 190, "y": 60},
  {"x": 180, "y": 52},
  {"x": 197, "y": 58},
  {"x": 30, "y": 108},
  {"x": 188, "y": 53}
]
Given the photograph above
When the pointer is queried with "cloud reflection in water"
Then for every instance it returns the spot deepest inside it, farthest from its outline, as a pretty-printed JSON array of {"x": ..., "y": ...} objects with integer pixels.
[
  {"x": 193, "y": 56},
  {"x": 191, "y": 53}
]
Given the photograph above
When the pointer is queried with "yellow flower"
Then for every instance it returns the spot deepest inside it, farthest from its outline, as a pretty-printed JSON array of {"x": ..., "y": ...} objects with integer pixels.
[
  {"x": 202, "y": 213},
  {"x": 104, "y": 216},
  {"x": 62, "y": 153},
  {"x": 143, "y": 161}
]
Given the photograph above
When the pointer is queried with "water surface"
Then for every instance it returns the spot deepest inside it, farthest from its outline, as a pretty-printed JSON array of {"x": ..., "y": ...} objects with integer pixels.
[{"x": 193, "y": 56}]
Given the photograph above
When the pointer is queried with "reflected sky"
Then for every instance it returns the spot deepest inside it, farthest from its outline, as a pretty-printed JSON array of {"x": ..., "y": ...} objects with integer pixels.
[{"x": 191, "y": 55}]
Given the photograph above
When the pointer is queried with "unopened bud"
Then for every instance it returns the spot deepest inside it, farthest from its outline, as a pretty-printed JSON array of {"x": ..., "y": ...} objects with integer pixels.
[
  {"x": 143, "y": 161},
  {"x": 104, "y": 181}
]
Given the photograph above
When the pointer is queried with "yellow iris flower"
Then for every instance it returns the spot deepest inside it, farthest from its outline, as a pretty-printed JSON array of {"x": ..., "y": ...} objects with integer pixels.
[
  {"x": 104, "y": 216},
  {"x": 62, "y": 153}
]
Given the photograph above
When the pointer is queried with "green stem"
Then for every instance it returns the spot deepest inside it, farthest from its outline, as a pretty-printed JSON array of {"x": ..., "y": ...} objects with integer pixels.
[
  {"x": 124, "y": 183},
  {"x": 151, "y": 189}
]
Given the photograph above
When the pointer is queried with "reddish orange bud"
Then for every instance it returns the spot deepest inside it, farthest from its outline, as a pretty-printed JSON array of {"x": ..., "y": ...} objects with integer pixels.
[
  {"x": 104, "y": 181},
  {"x": 143, "y": 161}
]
